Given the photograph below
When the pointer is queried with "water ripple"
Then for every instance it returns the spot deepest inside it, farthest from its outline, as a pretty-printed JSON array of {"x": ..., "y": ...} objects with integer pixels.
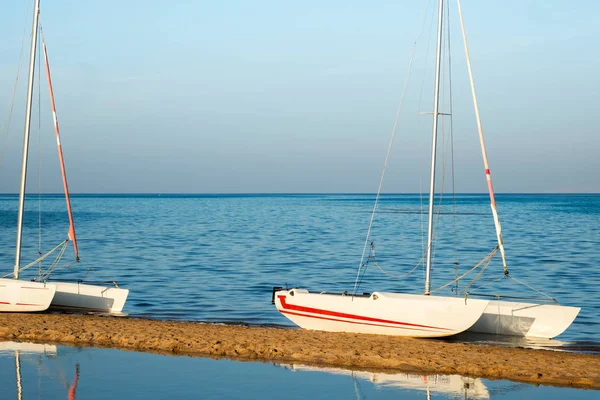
[{"x": 216, "y": 257}]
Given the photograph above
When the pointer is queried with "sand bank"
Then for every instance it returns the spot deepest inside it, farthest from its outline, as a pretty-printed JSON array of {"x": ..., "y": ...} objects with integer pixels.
[{"x": 352, "y": 351}]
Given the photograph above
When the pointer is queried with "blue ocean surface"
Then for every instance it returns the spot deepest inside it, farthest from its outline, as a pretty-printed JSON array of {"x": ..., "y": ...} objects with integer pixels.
[
  {"x": 217, "y": 257},
  {"x": 38, "y": 371}
]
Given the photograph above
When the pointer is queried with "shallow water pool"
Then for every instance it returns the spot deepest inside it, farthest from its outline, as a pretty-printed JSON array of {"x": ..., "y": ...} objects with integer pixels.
[{"x": 40, "y": 371}]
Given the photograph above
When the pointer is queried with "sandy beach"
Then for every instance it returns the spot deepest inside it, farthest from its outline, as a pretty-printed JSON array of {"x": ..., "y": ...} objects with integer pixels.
[{"x": 353, "y": 351}]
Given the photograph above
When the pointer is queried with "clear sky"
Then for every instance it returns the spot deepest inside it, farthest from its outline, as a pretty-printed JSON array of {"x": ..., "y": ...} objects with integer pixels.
[{"x": 278, "y": 96}]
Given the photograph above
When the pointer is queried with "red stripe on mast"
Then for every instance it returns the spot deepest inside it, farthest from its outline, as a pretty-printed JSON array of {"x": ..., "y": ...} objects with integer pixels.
[{"x": 71, "y": 234}]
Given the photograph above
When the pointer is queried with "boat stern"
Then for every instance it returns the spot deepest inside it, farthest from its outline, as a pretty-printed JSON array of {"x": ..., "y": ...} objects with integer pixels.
[
  {"x": 89, "y": 298},
  {"x": 25, "y": 296}
]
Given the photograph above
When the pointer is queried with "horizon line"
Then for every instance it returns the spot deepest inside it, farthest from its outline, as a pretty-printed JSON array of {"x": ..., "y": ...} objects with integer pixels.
[{"x": 288, "y": 193}]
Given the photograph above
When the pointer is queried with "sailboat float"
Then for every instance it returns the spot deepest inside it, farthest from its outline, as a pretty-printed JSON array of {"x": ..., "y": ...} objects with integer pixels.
[
  {"x": 25, "y": 296},
  {"x": 425, "y": 315}
]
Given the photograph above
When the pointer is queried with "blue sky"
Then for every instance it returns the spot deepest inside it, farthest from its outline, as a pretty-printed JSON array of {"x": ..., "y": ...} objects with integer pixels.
[{"x": 271, "y": 96}]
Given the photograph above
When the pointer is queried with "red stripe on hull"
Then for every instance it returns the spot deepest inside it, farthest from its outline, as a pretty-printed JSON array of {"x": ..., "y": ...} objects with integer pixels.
[
  {"x": 287, "y": 306},
  {"x": 19, "y": 304},
  {"x": 352, "y": 322}
]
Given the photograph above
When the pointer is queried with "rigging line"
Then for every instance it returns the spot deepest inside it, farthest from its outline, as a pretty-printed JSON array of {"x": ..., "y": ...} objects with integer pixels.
[
  {"x": 385, "y": 164},
  {"x": 46, "y": 276},
  {"x": 532, "y": 288},
  {"x": 423, "y": 19},
  {"x": 63, "y": 243},
  {"x": 489, "y": 256},
  {"x": 426, "y": 58},
  {"x": 487, "y": 281},
  {"x": 87, "y": 271},
  {"x": 465, "y": 290},
  {"x": 359, "y": 278},
  {"x": 12, "y": 103},
  {"x": 373, "y": 257},
  {"x": 53, "y": 266},
  {"x": 401, "y": 275}
]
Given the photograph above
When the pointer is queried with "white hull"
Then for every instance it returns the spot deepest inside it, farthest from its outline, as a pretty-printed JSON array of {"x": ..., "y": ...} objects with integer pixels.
[
  {"x": 25, "y": 296},
  {"x": 525, "y": 319},
  {"x": 88, "y": 298},
  {"x": 380, "y": 313}
]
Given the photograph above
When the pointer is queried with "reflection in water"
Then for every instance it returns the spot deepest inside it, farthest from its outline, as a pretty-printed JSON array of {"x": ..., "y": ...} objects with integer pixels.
[
  {"x": 525, "y": 342},
  {"x": 73, "y": 387},
  {"x": 508, "y": 341},
  {"x": 28, "y": 349},
  {"x": 50, "y": 373},
  {"x": 456, "y": 386},
  {"x": 18, "y": 370}
]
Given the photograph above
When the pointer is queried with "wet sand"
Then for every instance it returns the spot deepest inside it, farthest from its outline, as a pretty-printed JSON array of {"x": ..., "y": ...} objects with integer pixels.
[{"x": 352, "y": 351}]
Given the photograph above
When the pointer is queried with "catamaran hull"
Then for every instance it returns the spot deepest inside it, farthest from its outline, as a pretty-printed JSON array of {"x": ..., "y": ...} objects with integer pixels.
[
  {"x": 25, "y": 296},
  {"x": 88, "y": 298},
  {"x": 525, "y": 319},
  {"x": 380, "y": 313}
]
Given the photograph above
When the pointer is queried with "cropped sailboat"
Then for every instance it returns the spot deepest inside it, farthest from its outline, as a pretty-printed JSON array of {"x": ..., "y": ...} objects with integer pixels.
[
  {"x": 18, "y": 295},
  {"x": 40, "y": 294}
]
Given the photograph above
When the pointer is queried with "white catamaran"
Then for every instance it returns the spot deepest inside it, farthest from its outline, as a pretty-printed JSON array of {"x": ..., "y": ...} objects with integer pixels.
[
  {"x": 426, "y": 315},
  {"x": 20, "y": 296}
]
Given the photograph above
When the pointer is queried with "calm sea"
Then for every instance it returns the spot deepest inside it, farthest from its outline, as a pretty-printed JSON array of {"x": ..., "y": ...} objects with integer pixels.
[
  {"x": 37, "y": 371},
  {"x": 217, "y": 257}
]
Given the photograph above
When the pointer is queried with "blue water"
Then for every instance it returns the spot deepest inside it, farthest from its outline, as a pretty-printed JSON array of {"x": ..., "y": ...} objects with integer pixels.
[
  {"x": 216, "y": 257},
  {"x": 52, "y": 372}
]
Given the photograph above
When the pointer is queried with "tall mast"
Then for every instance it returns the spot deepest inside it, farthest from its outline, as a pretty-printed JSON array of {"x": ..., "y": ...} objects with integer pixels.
[
  {"x": 436, "y": 101},
  {"x": 488, "y": 177},
  {"x": 72, "y": 236},
  {"x": 36, "y": 12}
]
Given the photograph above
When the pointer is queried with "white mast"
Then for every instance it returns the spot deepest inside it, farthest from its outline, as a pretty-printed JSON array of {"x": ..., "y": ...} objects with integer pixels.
[
  {"x": 436, "y": 101},
  {"x": 36, "y": 12},
  {"x": 482, "y": 143}
]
